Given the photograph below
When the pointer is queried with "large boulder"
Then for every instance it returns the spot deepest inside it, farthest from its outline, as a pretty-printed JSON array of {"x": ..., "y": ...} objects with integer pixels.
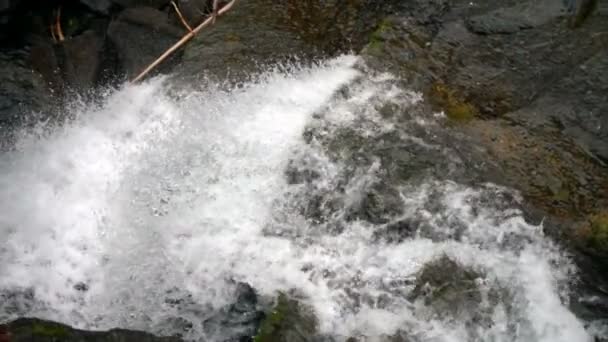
[
  {"x": 140, "y": 35},
  {"x": 83, "y": 60}
]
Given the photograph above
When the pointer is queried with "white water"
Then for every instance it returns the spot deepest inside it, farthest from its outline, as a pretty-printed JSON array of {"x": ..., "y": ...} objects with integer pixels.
[{"x": 149, "y": 193}]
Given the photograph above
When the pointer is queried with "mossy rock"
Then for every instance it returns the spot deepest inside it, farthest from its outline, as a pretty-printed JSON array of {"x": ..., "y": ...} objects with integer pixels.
[
  {"x": 454, "y": 105},
  {"x": 593, "y": 234},
  {"x": 378, "y": 38},
  {"x": 289, "y": 321}
]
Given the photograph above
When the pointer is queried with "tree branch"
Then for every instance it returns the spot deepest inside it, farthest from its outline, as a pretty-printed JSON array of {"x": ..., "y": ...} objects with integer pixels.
[{"x": 209, "y": 21}]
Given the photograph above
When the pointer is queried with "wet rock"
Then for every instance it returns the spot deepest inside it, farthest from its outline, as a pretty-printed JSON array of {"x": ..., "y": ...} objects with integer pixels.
[
  {"x": 22, "y": 90},
  {"x": 141, "y": 3},
  {"x": 288, "y": 321},
  {"x": 378, "y": 205},
  {"x": 83, "y": 60},
  {"x": 194, "y": 11},
  {"x": 447, "y": 287},
  {"x": 241, "y": 41},
  {"x": 240, "y": 320},
  {"x": 397, "y": 232},
  {"x": 141, "y": 35},
  {"x": 5, "y": 5},
  {"x": 592, "y": 235},
  {"x": 36, "y": 330},
  {"x": 99, "y": 6},
  {"x": 519, "y": 17},
  {"x": 584, "y": 9},
  {"x": 448, "y": 291}
]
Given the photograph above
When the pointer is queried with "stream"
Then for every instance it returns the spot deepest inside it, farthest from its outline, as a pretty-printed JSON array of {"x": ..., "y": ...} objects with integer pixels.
[{"x": 157, "y": 190}]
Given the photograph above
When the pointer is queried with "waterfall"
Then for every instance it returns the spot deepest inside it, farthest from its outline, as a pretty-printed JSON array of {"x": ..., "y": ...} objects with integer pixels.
[{"x": 158, "y": 190}]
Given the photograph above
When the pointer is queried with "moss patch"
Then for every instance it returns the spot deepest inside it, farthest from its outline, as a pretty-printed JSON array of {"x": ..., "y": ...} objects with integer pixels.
[
  {"x": 378, "y": 37},
  {"x": 49, "y": 330},
  {"x": 289, "y": 321},
  {"x": 594, "y": 233},
  {"x": 454, "y": 106}
]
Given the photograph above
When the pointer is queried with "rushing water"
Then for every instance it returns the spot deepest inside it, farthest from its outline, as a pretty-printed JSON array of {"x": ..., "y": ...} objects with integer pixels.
[{"x": 158, "y": 190}]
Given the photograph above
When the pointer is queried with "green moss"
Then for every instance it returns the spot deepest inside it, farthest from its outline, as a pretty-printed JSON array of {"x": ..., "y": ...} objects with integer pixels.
[
  {"x": 49, "y": 330},
  {"x": 453, "y": 105},
  {"x": 273, "y": 321},
  {"x": 377, "y": 38},
  {"x": 598, "y": 232},
  {"x": 289, "y": 321}
]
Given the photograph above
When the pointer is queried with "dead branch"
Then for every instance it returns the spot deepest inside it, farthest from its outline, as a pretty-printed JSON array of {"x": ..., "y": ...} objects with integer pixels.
[
  {"x": 215, "y": 9},
  {"x": 60, "y": 36},
  {"x": 181, "y": 17},
  {"x": 52, "y": 29},
  {"x": 209, "y": 21}
]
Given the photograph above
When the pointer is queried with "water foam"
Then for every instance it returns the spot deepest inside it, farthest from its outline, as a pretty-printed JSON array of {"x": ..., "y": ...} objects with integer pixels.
[{"x": 150, "y": 193}]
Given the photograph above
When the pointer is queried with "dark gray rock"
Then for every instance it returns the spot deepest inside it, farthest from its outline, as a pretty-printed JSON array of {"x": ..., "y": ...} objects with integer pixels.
[
  {"x": 519, "y": 17},
  {"x": 5, "y": 5},
  {"x": 239, "y": 41},
  {"x": 142, "y": 3},
  {"x": 240, "y": 320},
  {"x": 140, "y": 35},
  {"x": 99, "y": 6},
  {"x": 83, "y": 59},
  {"x": 194, "y": 10},
  {"x": 36, "y": 330},
  {"x": 22, "y": 91}
]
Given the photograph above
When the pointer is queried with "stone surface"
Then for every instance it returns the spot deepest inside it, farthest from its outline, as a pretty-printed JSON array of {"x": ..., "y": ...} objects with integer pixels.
[
  {"x": 100, "y": 6},
  {"x": 157, "y": 4},
  {"x": 140, "y": 35},
  {"x": 22, "y": 91},
  {"x": 36, "y": 330},
  {"x": 83, "y": 60}
]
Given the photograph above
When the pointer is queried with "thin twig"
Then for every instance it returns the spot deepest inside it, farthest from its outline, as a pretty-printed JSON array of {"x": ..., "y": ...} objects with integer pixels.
[
  {"x": 183, "y": 41},
  {"x": 181, "y": 17},
  {"x": 58, "y": 25},
  {"x": 215, "y": 9},
  {"x": 52, "y": 28}
]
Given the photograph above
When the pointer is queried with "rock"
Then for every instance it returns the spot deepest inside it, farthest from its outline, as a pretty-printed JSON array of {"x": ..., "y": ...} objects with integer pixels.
[
  {"x": 592, "y": 235},
  {"x": 194, "y": 10},
  {"x": 289, "y": 321},
  {"x": 141, "y": 35},
  {"x": 99, "y": 6},
  {"x": 5, "y": 5},
  {"x": 83, "y": 60},
  {"x": 240, "y": 320},
  {"x": 22, "y": 91},
  {"x": 518, "y": 17},
  {"x": 37, "y": 330},
  {"x": 449, "y": 291},
  {"x": 157, "y": 4},
  {"x": 239, "y": 40}
]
